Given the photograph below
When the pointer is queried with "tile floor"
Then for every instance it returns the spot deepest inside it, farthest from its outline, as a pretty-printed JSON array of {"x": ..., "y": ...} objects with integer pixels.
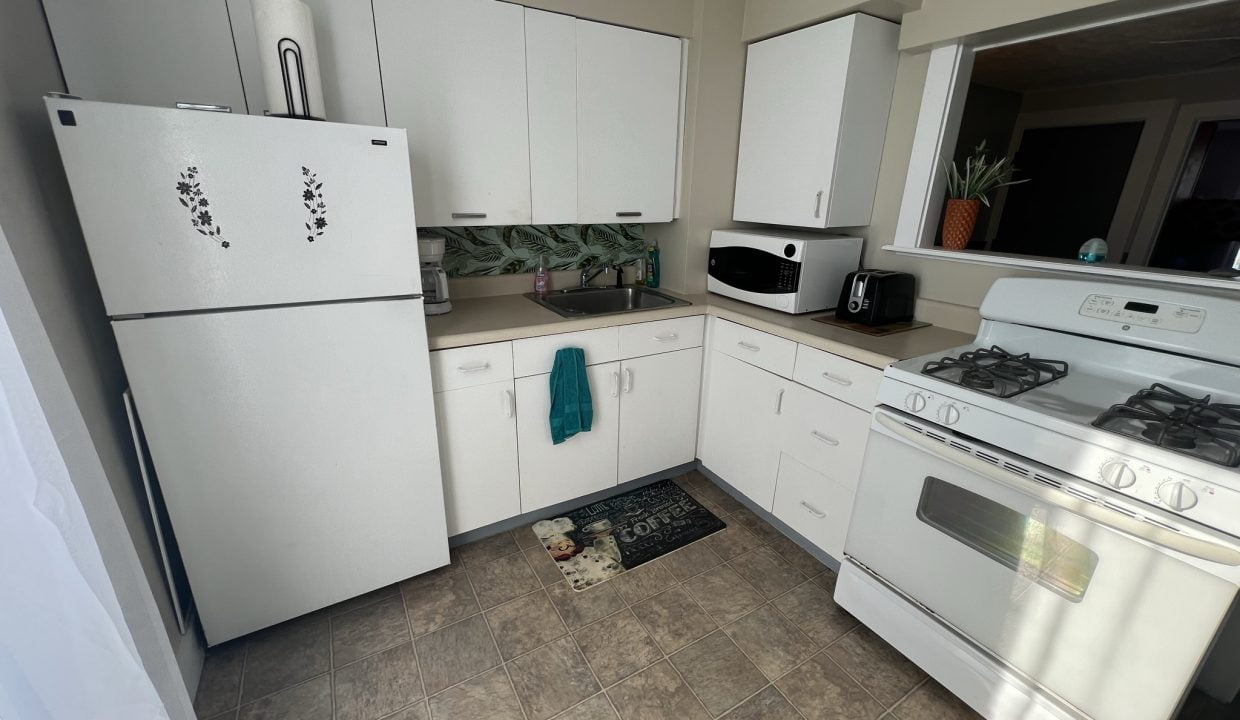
[{"x": 739, "y": 625}]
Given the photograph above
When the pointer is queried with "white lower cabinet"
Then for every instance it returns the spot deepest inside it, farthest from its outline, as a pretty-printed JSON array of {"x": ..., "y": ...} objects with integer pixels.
[
  {"x": 478, "y": 451},
  {"x": 585, "y": 463},
  {"x": 813, "y": 504},
  {"x": 739, "y": 431},
  {"x": 659, "y": 411}
]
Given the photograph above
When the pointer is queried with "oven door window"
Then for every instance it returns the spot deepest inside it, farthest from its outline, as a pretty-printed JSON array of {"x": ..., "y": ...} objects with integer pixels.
[
  {"x": 753, "y": 270},
  {"x": 1017, "y": 541}
]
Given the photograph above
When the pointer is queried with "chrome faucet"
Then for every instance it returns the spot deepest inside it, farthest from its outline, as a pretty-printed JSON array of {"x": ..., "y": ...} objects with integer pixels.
[{"x": 590, "y": 273}]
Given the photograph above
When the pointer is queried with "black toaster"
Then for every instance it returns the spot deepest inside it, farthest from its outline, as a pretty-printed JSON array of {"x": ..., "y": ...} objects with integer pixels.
[{"x": 877, "y": 297}]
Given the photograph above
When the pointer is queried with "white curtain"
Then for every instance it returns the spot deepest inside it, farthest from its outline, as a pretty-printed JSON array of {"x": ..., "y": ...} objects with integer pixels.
[{"x": 65, "y": 651}]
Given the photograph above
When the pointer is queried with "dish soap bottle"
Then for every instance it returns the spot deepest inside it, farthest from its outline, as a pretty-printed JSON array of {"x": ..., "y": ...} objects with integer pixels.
[
  {"x": 652, "y": 264},
  {"x": 542, "y": 277}
]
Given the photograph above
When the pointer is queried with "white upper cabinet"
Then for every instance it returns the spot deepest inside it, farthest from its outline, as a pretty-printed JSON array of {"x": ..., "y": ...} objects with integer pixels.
[
  {"x": 454, "y": 77},
  {"x": 813, "y": 123},
  {"x": 147, "y": 52},
  {"x": 628, "y": 120},
  {"x": 551, "y": 70}
]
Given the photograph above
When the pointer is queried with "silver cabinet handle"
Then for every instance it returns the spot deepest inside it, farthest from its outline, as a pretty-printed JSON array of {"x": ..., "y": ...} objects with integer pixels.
[
  {"x": 667, "y": 337},
  {"x": 748, "y": 346},
  {"x": 813, "y": 510},
  {"x": 615, "y": 384},
  {"x": 629, "y": 213},
  {"x": 628, "y": 380},
  {"x": 475, "y": 216},
  {"x": 818, "y": 204},
  {"x": 478, "y": 367},
  {"x": 506, "y": 401},
  {"x": 203, "y": 106},
  {"x": 824, "y": 438},
  {"x": 779, "y": 402},
  {"x": 837, "y": 379}
]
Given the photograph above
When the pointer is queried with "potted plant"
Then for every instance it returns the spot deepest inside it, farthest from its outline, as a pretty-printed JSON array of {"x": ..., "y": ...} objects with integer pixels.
[{"x": 967, "y": 191}]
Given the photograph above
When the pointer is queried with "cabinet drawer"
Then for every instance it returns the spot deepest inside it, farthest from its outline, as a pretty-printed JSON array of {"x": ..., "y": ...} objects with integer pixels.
[
  {"x": 536, "y": 355},
  {"x": 661, "y": 336},
  {"x": 813, "y": 504},
  {"x": 824, "y": 433},
  {"x": 852, "y": 382},
  {"x": 755, "y": 347},
  {"x": 469, "y": 366}
]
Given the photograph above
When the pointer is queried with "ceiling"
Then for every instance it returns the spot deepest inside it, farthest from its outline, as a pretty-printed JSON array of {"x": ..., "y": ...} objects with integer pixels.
[{"x": 1205, "y": 38}]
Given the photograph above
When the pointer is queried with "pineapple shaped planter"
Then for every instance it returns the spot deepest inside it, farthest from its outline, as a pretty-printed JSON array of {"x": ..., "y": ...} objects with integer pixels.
[
  {"x": 969, "y": 189},
  {"x": 959, "y": 219}
]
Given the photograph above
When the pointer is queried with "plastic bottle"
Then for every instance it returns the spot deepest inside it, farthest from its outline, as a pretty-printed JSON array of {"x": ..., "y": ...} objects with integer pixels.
[
  {"x": 639, "y": 277},
  {"x": 542, "y": 277},
  {"x": 1093, "y": 251},
  {"x": 652, "y": 264}
]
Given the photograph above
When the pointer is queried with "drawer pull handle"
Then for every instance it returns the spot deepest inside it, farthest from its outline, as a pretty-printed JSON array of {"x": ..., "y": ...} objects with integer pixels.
[
  {"x": 824, "y": 438},
  {"x": 506, "y": 397},
  {"x": 813, "y": 510},
  {"x": 667, "y": 337},
  {"x": 779, "y": 402},
  {"x": 748, "y": 346},
  {"x": 629, "y": 213},
  {"x": 468, "y": 216},
  {"x": 837, "y": 380},
  {"x": 479, "y": 367}
]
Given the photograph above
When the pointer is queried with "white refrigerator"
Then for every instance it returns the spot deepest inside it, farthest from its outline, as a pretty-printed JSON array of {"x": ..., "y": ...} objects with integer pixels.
[{"x": 262, "y": 280}]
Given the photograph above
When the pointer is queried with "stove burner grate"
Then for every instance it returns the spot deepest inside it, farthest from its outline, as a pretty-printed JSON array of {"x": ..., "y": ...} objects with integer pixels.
[
  {"x": 995, "y": 371},
  {"x": 1163, "y": 416}
]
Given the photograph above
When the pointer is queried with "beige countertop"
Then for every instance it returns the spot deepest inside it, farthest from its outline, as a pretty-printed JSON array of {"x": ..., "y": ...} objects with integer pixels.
[{"x": 474, "y": 321}]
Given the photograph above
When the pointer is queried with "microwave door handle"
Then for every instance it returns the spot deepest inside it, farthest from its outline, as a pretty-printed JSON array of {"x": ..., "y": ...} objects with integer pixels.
[{"x": 1188, "y": 545}]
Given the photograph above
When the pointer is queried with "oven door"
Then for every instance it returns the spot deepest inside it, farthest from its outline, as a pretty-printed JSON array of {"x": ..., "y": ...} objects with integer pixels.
[{"x": 1090, "y": 603}]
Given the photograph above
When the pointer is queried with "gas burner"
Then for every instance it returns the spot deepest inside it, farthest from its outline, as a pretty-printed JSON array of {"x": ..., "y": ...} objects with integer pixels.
[
  {"x": 995, "y": 371},
  {"x": 1163, "y": 416}
]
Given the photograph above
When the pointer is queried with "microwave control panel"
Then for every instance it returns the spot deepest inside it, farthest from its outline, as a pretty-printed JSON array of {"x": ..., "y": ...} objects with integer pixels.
[{"x": 1134, "y": 311}]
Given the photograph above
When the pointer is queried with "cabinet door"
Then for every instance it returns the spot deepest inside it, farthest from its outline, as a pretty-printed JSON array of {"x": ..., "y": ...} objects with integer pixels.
[
  {"x": 551, "y": 72},
  {"x": 454, "y": 77},
  {"x": 147, "y": 52},
  {"x": 584, "y": 463},
  {"x": 790, "y": 123},
  {"x": 814, "y": 505},
  {"x": 628, "y": 118},
  {"x": 659, "y": 412},
  {"x": 478, "y": 451},
  {"x": 738, "y": 432}
]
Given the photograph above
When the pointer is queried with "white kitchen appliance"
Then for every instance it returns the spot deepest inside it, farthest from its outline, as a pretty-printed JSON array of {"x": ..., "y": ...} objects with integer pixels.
[
  {"x": 1048, "y": 519},
  {"x": 434, "y": 279},
  {"x": 795, "y": 272},
  {"x": 261, "y": 279}
]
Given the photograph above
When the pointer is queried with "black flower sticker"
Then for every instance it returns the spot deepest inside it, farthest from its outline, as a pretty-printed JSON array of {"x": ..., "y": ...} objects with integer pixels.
[
  {"x": 312, "y": 199},
  {"x": 192, "y": 198}
]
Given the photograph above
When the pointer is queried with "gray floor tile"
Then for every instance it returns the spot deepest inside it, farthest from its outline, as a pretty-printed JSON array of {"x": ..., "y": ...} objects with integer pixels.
[
  {"x": 707, "y": 491},
  {"x": 826, "y": 581},
  {"x": 643, "y": 581},
  {"x": 378, "y": 685},
  {"x": 769, "y": 704},
  {"x": 501, "y": 580},
  {"x": 821, "y": 690},
  {"x": 932, "y": 701},
  {"x": 767, "y": 572},
  {"x": 761, "y": 529},
  {"x": 656, "y": 693},
  {"x": 617, "y": 647},
  {"x": 489, "y": 549},
  {"x": 580, "y": 608},
  {"x": 731, "y": 541},
  {"x": 369, "y": 629},
  {"x": 718, "y": 672},
  {"x": 434, "y": 601},
  {"x": 797, "y": 557},
  {"x": 723, "y": 594},
  {"x": 690, "y": 560},
  {"x": 228, "y": 715},
  {"x": 812, "y": 610},
  {"x": 285, "y": 655},
  {"x": 596, "y": 708},
  {"x": 544, "y": 567},
  {"x": 219, "y": 688},
  {"x": 486, "y": 697},
  {"x": 774, "y": 644},
  {"x": 363, "y": 600},
  {"x": 879, "y": 668},
  {"x": 413, "y": 712},
  {"x": 311, "y": 700},
  {"x": 673, "y": 619},
  {"x": 525, "y": 537},
  {"x": 552, "y": 678},
  {"x": 456, "y": 652},
  {"x": 525, "y": 623}
]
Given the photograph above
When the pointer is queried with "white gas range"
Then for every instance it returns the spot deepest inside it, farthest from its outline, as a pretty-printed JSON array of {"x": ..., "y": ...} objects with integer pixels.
[{"x": 1048, "y": 519}]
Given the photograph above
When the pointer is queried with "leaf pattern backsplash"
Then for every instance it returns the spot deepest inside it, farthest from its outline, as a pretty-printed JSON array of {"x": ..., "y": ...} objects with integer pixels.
[{"x": 507, "y": 249}]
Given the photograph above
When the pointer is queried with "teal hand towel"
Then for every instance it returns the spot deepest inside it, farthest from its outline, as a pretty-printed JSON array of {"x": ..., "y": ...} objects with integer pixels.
[{"x": 572, "y": 411}]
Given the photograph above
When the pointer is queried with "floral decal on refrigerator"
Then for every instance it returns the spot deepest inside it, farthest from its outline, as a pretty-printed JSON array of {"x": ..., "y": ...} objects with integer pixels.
[
  {"x": 191, "y": 196},
  {"x": 312, "y": 198}
]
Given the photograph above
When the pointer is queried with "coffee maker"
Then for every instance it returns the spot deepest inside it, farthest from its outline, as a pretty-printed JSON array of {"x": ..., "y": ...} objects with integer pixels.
[{"x": 434, "y": 279}]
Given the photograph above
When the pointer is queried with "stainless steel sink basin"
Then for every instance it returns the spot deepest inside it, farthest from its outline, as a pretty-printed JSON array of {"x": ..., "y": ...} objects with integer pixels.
[{"x": 585, "y": 302}]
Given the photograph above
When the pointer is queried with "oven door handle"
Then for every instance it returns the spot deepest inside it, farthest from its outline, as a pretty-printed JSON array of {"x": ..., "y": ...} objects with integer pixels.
[{"x": 1186, "y": 544}]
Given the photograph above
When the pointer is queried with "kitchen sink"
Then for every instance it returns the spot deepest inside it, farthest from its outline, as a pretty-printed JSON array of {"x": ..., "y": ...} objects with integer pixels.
[{"x": 585, "y": 302}]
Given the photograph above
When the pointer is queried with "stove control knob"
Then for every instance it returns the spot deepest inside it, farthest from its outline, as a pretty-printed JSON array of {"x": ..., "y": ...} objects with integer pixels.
[
  {"x": 1117, "y": 474},
  {"x": 915, "y": 402},
  {"x": 1177, "y": 495},
  {"x": 949, "y": 414}
]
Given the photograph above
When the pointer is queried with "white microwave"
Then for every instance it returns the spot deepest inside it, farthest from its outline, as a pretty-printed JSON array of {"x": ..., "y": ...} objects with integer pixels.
[{"x": 789, "y": 271}]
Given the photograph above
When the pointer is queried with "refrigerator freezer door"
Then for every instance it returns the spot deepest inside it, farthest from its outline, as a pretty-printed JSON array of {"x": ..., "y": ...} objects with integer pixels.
[
  {"x": 191, "y": 210},
  {"x": 296, "y": 450}
]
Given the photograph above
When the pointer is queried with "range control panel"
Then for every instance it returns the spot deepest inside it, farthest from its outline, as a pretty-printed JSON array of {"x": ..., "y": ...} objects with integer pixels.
[{"x": 1135, "y": 311}]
